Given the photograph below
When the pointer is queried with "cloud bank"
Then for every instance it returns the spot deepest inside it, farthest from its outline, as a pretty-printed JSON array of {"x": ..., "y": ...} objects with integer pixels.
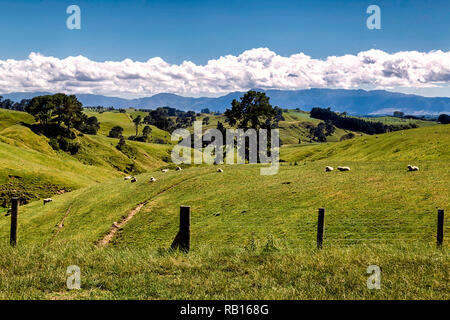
[{"x": 255, "y": 68}]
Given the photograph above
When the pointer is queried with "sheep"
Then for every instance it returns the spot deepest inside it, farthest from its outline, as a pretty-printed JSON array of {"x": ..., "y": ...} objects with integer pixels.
[
  {"x": 343, "y": 168},
  {"x": 133, "y": 179},
  {"x": 219, "y": 170},
  {"x": 128, "y": 178},
  {"x": 47, "y": 200},
  {"x": 412, "y": 168},
  {"x": 178, "y": 168},
  {"x": 164, "y": 170},
  {"x": 327, "y": 168},
  {"x": 152, "y": 179},
  {"x": 8, "y": 212}
]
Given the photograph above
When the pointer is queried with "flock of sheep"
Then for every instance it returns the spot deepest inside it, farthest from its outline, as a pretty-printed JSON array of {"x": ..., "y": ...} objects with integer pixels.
[
  {"x": 328, "y": 168},
  {"x": 153, "y": 179},
  {"x": 133, "y": 179}
]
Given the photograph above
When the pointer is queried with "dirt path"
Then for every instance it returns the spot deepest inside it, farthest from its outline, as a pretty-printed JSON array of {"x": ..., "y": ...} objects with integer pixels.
[
  {"x": 116, "y": 226},
  {"x": 60, "y": 225}
]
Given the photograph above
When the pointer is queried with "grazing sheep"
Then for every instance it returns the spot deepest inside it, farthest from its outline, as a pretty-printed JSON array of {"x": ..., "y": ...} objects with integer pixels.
[
  {"x": 47, "y": 200},
  {"x": 128, "y": 178},
  {"x": 413, "y": 168},
  {"x": 164, "y": 170},
  {"x": 178, "y": 168},
  {"x": 219, "y": 170},
  {"x": 329, "y": 168},
  {"x": 133, "y": 179},
  {"x": 343, "y": 168},
  {"x": 152, "y": 179}
]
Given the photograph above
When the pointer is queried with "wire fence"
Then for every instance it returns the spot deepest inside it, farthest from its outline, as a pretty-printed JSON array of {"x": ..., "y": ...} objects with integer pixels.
[{"x": 340, "y": 227}]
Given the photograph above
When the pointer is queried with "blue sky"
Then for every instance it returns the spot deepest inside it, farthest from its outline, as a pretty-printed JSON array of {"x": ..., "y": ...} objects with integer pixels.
[
  {"x": 199, "y": 31},
  {"x": 203, "y": 30}
]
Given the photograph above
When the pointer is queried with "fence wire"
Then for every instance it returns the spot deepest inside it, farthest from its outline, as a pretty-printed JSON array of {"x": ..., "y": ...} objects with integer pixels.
[{"x": 298, "y": 226}]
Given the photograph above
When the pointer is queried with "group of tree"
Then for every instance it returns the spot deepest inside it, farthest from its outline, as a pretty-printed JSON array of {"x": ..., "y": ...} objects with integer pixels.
[
  {"x": 57, "y": 115},
  {"x": 444, "y": 118},
  {"x": 322, "y": 131},
  {"x": 169, "y": 119},
  {"x": 348, "y": 123},
  {"x": 99, "y": 109},
  {"x": 356, "y": 124},
  {"x": 11, "y": 105}
]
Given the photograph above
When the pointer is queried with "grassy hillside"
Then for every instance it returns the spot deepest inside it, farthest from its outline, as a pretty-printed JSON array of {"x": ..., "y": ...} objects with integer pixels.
[
  {"x": 109, "y": 119},
  {"x": 253, "y": 236},
  {"x": 9, "y": 118},
  {"x": 31, "y": 169},
  {"x": 427, "y": 143}
]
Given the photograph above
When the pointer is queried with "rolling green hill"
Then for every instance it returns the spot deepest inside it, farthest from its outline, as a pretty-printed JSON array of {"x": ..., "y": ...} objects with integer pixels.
[
  {"x": 253, "y": 236},
  {"x": 110, "y": 119},
  {"x": 427, "y": 143},
  {"x": 32, "y": 169}
]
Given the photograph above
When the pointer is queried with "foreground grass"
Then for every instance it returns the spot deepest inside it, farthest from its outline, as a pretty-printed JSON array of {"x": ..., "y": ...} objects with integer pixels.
[{"x": 265, "y": 272}]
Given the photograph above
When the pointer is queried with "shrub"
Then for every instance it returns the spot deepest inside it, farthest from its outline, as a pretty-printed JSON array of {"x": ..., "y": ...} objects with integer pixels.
[
  {"x": 115, "y": 132},
  {"x": 54, "y": 144}
]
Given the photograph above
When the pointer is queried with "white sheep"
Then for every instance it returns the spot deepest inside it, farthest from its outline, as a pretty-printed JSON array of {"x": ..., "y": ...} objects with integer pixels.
[
  {"x": 178, "y": 168},
  {"x": 47, "y": 200},
  {"x": 152, "y": 179},
  {"x": 128, "y": 178},
  {"x": 219, "y": 170},
  {"x": 343, "y": 168},
  {"x": 164, "y": 170},
  {"x": 413, "y": 168},
  {"x": 133, "y": 179},
  {"x": 327, "y": 168}
]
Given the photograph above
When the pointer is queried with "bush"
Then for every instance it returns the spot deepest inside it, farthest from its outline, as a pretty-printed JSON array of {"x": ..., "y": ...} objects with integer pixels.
[
  {"x": 348, "y": 136},
  {"x": 444, "y": 118},
  {"x": 115, "y": 132},
  {"x": 54, "y": 144}
]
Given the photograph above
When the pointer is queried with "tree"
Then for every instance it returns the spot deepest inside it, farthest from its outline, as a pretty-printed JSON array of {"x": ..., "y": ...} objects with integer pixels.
[
  {"x": 146, "y": 131},
  {"x": 206, "y": 110},
  {"x": 318, "y": 132},
  {"x": 72, "y": 111},
  {"x": 329, "y": 128},
  {"x": 398, "y": 114},
  {"x": 116, "y": 132},
  {"x": 42, "y": 108},
  {"x": 252, "y": 111},
  {"x": 89, "y": 125},
  {"x": 444, "y": 118},
  {"x": 137, "y": 122}
]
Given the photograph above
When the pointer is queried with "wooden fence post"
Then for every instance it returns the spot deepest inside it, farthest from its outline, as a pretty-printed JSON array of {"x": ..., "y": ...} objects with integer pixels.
[
  {"x": 320, "y": 223},
  {"x": 14, "y": 214},
  {"x": 185, "y": 228},
  {"x": 440, "y": 228}
]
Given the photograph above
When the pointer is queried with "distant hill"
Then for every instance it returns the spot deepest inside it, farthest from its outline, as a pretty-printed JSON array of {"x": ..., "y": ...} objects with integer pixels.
[{"x": 358, "y": 102}]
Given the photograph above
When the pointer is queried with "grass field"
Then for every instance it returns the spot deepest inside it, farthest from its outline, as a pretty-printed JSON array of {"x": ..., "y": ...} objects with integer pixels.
[
  {"x": 30, "y": 167},
  {"x": 253, "y": 236},
  {"x": 108, "y": 120}
]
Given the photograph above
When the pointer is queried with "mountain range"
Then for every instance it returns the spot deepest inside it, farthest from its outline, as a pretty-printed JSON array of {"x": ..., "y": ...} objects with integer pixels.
[{"x": 358, "y": 102}]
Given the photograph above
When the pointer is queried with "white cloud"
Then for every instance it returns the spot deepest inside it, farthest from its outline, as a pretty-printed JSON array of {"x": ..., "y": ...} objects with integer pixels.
[{"x": 256, "y": 68}]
